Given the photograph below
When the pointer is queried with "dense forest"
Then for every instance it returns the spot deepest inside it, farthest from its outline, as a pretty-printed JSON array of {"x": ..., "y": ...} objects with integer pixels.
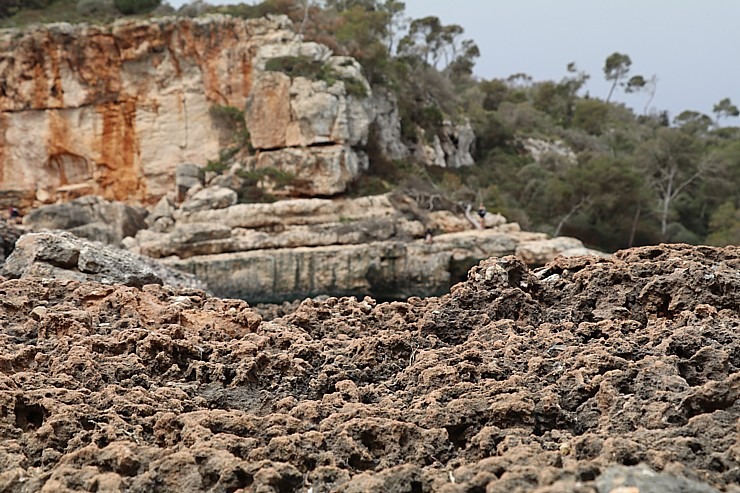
[{"x": 614, "y": 178}]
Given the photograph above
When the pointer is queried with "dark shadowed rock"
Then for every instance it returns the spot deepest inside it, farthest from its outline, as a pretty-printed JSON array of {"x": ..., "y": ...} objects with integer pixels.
[{"x": 9, "y": 233}]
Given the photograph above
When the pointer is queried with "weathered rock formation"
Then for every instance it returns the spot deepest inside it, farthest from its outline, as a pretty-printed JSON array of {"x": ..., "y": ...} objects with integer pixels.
[
  {"x": 306, "y": 247},
  {"x": 65, "y": 256},
  {"x": 311, "y": 128},
  {"x": 589, "y": 376},
  {"x": 90, "y": 217},
  {"x": 112, "y": 110}
]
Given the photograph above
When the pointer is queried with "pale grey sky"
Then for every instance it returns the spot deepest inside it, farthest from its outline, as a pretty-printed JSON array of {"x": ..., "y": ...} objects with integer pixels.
[{"x": 692, "y": 46}]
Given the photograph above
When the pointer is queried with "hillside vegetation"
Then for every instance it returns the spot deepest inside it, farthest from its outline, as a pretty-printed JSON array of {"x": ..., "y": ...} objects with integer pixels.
[{"x": 631, "y": 179}]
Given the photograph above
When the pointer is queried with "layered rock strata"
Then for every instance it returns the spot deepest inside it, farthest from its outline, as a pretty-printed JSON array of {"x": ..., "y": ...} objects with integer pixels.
[{"x": 306, "y": 247}]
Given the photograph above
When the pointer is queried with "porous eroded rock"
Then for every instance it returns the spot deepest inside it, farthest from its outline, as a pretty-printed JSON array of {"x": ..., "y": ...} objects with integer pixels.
[
  {"x": 115, "y": 109},
  {"x": 516, "y": 381}
]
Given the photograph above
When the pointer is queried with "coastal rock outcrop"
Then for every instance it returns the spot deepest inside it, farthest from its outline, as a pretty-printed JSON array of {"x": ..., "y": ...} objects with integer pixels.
[
  {"x": 308, "y": 113},
  {"x": 113, "y": 110},
  {"x": 589, "y": 375},
  {"x": 65, "y": 256},
  {"x": 377, "y": 245}
]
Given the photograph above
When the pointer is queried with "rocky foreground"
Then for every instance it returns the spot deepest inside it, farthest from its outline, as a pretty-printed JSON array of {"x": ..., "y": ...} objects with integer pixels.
[{"x": 590, "y": 374}]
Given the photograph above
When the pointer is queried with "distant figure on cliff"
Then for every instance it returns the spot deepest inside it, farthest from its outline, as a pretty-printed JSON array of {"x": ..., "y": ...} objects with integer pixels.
[
  {"x": 482, "y": 214},
  {"x": 429, "y": 238}
]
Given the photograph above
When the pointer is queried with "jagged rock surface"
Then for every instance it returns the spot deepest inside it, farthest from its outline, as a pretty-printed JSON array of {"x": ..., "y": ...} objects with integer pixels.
[
  {"x": 516, "y": 381},
  {"x": 65, "y": 256}
]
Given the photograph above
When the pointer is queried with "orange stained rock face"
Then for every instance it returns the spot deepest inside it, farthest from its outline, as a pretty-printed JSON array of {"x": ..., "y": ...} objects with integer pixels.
[
  {"x": 118, "y": 160},
  {"x": 99, "y": 100}
]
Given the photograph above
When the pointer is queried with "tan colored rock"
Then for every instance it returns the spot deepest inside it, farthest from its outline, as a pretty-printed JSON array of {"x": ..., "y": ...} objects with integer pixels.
[
  {"x": 323, "y": 170},
  {"x": 210, "y": 198},
  {"x": 297, "y": 113},
  {"x": 191, "y": 239},
  {"x": 295, "y": 211},
  {"x": 117, "y": 108},
  {"x": 539, "y": 252},
  {"x": 268, "y": 114}
]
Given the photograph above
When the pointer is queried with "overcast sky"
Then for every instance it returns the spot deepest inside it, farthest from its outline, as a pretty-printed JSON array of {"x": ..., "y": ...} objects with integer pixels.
[{"x": 692, "y": 46}]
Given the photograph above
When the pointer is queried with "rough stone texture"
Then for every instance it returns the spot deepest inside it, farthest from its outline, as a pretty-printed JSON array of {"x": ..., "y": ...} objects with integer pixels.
[
  {"x": 115, "y": 109},
  {"x": 65, "y": 256},
  {"x": 306, "y": 247},
  {"x": 294, "y": 212},
  {"x": 451, "y": 148},
  {"x": 190, "y": 239},
  {"x": 540, "y": 251},
  {"x": 386, "y": 269},
  {"x": 90, "y": 217},
  {"x": 9, "y": 234},
  {"x": 298, "y": 112},
  {"x": 306, "y": 127},
  {"x": 210, "y": 198},
  {"x": 516, "y": 381},
  {"x": 187, "y": 176},
  {"x": 386, "y": 128},
  {"x": 160, "y": 218},
  {"x": 317, "y": 171}
]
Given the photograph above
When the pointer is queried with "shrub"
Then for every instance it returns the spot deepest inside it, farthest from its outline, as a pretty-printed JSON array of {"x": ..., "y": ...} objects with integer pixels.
[
  {"x": 301, "y": 66},
  {"x": 255, "y": 183},
  {"x": 99, "y": 9},
  {"x": 133, "y": 7},
  {"x": 232, "y": 120}
]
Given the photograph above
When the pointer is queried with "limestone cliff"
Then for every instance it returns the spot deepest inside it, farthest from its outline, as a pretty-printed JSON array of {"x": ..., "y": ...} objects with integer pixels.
[{"x": 112, "y": 110}]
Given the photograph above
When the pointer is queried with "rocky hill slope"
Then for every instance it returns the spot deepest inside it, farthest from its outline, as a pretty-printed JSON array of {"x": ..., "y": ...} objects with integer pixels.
[{"x": 560, "y": 379}]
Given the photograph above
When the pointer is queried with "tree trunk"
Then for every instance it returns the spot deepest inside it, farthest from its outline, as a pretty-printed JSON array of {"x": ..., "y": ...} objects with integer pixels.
[{"x": 611, "y": 91}]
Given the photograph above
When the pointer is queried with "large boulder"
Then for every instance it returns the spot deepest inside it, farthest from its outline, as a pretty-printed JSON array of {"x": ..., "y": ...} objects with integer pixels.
[
  {"x": 90, "y": 217},
  {"x": 65, "y": 256},
  {"x": 210, "y": 198},
  {"x": 307, "y": 124},
  {"x": 315, "y": 171}
]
